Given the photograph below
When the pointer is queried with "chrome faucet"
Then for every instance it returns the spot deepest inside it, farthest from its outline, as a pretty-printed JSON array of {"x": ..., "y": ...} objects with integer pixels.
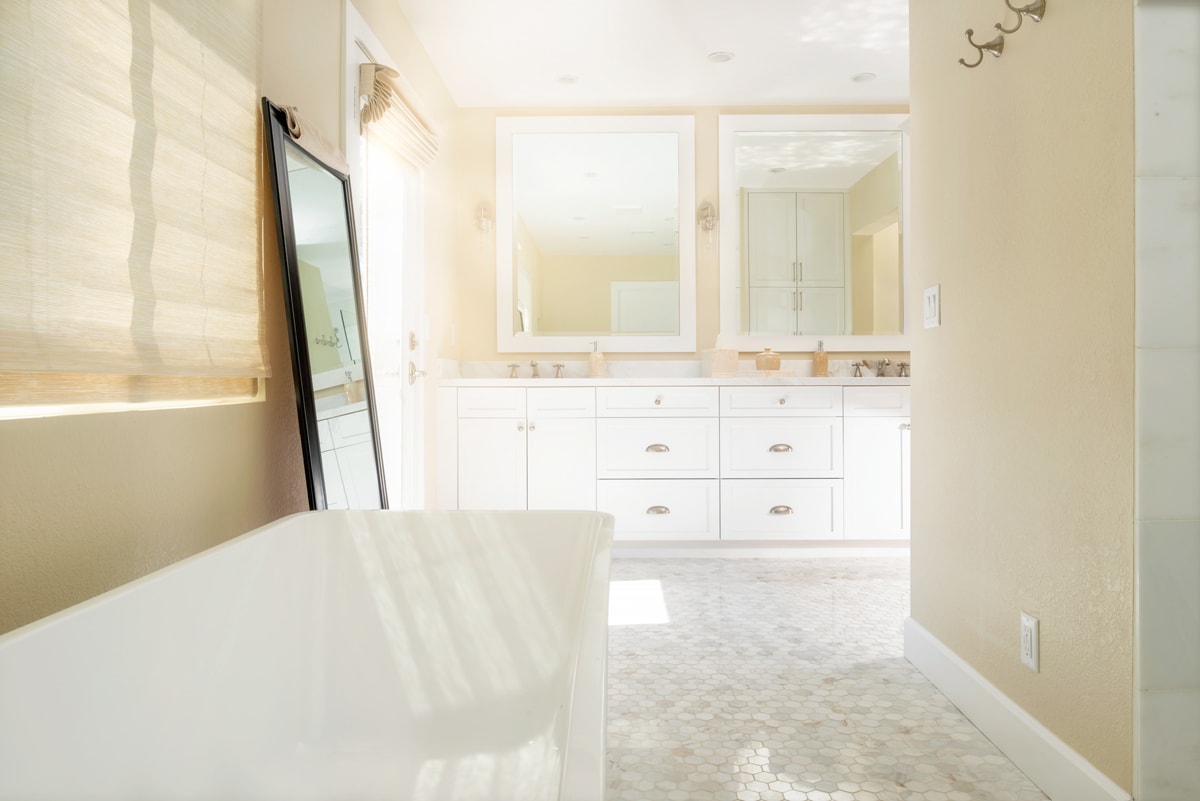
[
  {"x": 881, "y": 367},
  {"x": 534, "y": 366}
]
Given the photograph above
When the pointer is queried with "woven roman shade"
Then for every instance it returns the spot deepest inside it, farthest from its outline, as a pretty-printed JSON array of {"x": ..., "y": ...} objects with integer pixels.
[
  {"x": 130, "y": 253},
  {"x": 391, "y": 118}
]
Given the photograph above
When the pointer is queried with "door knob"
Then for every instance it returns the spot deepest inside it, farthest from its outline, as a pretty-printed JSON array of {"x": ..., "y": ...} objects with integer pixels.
[{"x": 414, "y": 373}]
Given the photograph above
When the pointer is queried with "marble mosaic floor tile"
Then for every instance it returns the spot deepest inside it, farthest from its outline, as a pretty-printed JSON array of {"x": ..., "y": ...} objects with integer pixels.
[{"x": 782, "y": 680}]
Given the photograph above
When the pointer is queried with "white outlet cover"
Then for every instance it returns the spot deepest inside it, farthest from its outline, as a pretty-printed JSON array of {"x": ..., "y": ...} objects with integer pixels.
[
  {"x": 933, "y": 306},
  {"x": 1029, "y": 641}
]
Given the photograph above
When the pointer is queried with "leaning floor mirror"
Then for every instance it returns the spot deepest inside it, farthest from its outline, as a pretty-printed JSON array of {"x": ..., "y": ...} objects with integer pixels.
[{"x": 335, "y": 398}]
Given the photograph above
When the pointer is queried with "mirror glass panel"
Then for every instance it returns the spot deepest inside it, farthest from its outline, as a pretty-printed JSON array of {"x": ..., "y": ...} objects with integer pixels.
[
  {"x": 333, "y": 383},
  {"x": 589, "y": 244},
  {"x": 814, "y": 246}
]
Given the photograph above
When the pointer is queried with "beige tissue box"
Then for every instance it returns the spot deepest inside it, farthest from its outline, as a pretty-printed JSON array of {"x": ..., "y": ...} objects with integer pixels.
[{"x": 720, "y": 362}]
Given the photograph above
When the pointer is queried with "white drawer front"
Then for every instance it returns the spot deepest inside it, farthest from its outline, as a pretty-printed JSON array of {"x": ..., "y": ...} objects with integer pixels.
[
  {"x": 781, "y": 509},
  {"x": 801, "y": 447},
  {"x": 781, "y": 401},
  {"x": 876, "y": 401},
  {"x": 561, "y": 402},
  {"x": 672, "y": 448},
  {"x": 491, "y": 402},
  {"x": 662, "y": 510},
  {"x": 655, "y": 401}
]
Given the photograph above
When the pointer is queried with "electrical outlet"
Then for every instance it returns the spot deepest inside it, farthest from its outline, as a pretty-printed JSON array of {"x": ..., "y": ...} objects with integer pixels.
[{"x": 1029, "y": 641}]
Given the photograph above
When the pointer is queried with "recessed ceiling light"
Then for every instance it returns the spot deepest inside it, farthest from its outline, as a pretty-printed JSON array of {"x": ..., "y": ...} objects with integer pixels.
[
  {"x": 778, "y": 169},
  {"x": 577, "y": 219},
  {"x": 863, "y": 77},
  {"x": 590, "y": 174},
  {"x": 720, "y": 56},
  {"x": 568, "y": 78}
]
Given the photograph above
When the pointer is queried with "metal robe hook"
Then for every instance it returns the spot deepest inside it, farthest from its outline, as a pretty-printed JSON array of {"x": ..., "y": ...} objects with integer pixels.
[
  {"x": 995, "y": 47},
  {"x": 1035, "y": 11}
]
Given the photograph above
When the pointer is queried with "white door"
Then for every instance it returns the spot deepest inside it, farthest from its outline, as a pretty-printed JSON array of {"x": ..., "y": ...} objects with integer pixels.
[
  {"x": 491, "y": 463},
  {"x": 820, "y": 310},
  {"x": 562, "y": 463},
  {"x": 874, "y": 478},
  {"x": 821, "y": 239},
  {"x": 771, "y": 238}
]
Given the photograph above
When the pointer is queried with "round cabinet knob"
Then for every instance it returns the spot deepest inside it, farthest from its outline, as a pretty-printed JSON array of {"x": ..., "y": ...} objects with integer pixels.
[
  {"x": 520, "y": 428},
  {"x": 782, "y": 401},
  {"x": 532, "y": 427},
  {"x": 658, "y": 400}
]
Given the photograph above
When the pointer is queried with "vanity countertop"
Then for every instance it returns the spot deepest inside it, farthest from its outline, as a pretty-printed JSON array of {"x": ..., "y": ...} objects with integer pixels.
[{"x": 723, "y": 381}]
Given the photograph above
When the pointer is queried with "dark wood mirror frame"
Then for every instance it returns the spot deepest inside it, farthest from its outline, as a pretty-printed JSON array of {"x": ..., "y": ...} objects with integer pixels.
[{"x": 278, "y": 139}]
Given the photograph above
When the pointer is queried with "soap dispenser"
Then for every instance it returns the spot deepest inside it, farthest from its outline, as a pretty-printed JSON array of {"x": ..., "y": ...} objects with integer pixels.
[
  {"x": 596, "y": 361},
  {"x": 820, "y": 360}
]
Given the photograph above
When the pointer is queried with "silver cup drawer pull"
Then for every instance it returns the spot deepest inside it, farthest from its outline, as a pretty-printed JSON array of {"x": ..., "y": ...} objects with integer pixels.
[
  {"x": 781, "y": 510},
  {"x": 782, "y": 447},
  {"x": 658, "y": 510},
  {"x": 657, "y": 447}
]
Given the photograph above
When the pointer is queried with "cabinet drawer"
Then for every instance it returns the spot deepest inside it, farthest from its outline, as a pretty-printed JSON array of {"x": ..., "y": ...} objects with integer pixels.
[
  {"x": 641, "y": 448},
  {"x": 876, "y": 401},
  {"x": 802, "y": 447},
  {"x": 561, "y": 402},
  {"x": 781, "y": 509},
  {"x": 781, "y": 401},
  {"x": 655, "y": 401},
  {"x": 661, "y": 510},
  {"x": 491, "y": 402}
]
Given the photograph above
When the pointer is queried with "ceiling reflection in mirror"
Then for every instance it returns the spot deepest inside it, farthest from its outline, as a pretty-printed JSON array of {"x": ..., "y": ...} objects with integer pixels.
[
  {"x": 820, "y": 245},
  {"x": 595, "y": 233}
]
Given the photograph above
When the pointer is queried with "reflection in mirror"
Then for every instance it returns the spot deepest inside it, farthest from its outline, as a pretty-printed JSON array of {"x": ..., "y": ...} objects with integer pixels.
[
  {"x": 596, "y": 226},
  {"x": 820, "y": 231},
  {"x": 589, "y": 242},
  {"x": 817, "y": 247},
  {"x": 332, "y": 372}
]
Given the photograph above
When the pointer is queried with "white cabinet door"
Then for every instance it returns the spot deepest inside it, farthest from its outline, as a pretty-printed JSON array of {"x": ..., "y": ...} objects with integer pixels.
[
  {"x": 685, "y": 447},
  {"x": 772, "y": 311},
  {"x": 771, "y": 238},
  {"x": 491, "y": 463},
  {"x": 562, "y": 463},
  {"x": 821, "y": 239},
  {"x": 875, "y": 487},
  {"x": 359, "y": 477},
  {"x": 775, "y": 447},
  {"x": 820, "y": 311}
]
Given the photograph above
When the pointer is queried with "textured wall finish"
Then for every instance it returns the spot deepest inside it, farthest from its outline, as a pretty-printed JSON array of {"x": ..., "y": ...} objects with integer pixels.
[{"x": 1023, "y": 460}]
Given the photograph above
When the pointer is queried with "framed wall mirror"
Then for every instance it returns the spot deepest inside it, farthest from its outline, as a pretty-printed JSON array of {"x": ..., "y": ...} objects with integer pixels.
[
  {"x": 595, "y": 234},
  {"x": 812, "y": 232},
  {"x": 335, "y": 398}
]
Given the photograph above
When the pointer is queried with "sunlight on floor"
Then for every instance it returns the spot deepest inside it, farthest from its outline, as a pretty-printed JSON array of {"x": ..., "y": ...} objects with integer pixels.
[{"x": 636, "y": 603}]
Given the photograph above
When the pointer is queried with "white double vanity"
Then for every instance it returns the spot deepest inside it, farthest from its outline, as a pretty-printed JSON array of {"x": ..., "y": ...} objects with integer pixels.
[{"x": 733, "y": 459}]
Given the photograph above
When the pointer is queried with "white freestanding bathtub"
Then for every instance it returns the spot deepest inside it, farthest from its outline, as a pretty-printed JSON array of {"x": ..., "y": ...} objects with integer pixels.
[{"x": 328, "y": 655}]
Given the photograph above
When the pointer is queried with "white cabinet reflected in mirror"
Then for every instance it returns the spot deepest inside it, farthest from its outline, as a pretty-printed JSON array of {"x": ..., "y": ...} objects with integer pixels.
[
  {"x": 595, "y": 234},
  {"x": 811, "y": 232}
]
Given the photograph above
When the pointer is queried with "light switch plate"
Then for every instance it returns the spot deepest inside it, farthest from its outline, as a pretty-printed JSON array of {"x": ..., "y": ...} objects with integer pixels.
[{"x": 933, "y": 306}]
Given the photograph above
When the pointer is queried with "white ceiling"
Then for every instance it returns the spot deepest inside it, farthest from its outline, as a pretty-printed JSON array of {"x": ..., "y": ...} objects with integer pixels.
[{"x": 511, "y": 53}]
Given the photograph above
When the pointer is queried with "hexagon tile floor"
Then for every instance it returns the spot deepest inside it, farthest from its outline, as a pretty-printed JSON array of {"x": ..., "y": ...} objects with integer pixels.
[{"x": 782, "y": 680}]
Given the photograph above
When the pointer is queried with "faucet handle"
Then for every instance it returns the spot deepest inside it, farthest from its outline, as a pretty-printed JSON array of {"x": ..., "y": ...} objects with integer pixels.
[
  {"x": 558, "y": 370},
  {"x": 858, "y": 366},
  {"x": 903, "y": 369},
  {"x": 535, "y": 372},
  {"x": 512, "y": 370}
]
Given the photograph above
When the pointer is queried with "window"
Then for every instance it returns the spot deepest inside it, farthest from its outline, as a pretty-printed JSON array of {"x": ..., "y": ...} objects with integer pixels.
[{"x": 130, "y": 258}]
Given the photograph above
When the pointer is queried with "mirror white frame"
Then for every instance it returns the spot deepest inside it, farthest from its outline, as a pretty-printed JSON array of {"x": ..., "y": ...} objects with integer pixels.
[
  {"x": 509, "y": 342},
  {"x": 729, "y": 126}
]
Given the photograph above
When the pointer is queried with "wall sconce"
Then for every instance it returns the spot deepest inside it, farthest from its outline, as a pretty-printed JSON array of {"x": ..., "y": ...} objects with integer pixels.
[
  {"x": 706, "y": 222},
  {"x": 484, "y": 220}
]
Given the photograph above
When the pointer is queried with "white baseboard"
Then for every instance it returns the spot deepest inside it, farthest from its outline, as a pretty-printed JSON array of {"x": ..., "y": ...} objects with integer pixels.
[{"x": 1051, "y": 764}]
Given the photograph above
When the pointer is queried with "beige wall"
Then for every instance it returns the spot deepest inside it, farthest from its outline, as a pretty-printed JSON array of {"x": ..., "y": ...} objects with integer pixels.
[
  {"x": 577, "y": 292},
  {"x": 885, "y": 295},
  {"x": 1023, "y": 461},
  {"x": 475, "y": 311},
  {"x": 875, "y": 197}
]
